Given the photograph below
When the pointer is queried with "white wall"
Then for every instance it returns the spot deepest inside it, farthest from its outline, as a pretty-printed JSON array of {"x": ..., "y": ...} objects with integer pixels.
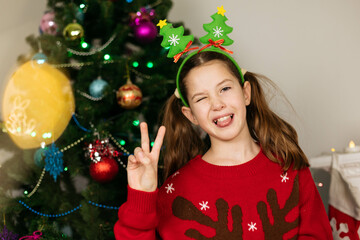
[
  {"x": 18, "y": 19},
  {"x": 309, "y": 48}
]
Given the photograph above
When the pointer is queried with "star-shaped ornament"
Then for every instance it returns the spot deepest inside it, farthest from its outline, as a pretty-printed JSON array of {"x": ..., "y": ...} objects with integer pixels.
[
  {"x": 221, "y": 10},
  {"x": 162, "y": 23}
]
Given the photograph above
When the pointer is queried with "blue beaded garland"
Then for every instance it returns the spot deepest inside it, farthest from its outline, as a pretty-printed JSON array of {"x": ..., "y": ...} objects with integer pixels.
[{"x": 68, "y": 212}]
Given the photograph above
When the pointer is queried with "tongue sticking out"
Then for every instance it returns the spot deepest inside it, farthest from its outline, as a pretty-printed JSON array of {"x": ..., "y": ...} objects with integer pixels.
[{"x": 224, "y": 121}]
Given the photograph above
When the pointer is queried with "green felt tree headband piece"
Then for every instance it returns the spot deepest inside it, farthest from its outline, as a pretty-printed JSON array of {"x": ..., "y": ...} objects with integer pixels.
[{"x": 214, "y": 40}]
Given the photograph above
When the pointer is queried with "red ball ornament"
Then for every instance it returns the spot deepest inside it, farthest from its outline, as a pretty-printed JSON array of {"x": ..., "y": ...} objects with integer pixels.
[
  {"x": 129, "y": 96},
  {"x": 105, "y": 170},
  {"x": 145, "y": 32}
]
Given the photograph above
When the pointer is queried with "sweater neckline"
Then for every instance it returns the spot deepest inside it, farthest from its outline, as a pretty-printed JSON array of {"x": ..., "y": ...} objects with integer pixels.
[{"x": 254, "y": 166}]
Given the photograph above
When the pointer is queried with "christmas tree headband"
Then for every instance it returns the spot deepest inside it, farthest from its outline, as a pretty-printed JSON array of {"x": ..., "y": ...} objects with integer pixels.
[{"x": 214, "y": 40}]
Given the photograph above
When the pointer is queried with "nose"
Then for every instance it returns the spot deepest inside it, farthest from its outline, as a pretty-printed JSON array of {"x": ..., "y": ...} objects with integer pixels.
[{"x": 217, "y": 104}]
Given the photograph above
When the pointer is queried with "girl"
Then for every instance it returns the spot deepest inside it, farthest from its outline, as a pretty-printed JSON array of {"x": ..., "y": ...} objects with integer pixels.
[{"x": 253, "y": 182}]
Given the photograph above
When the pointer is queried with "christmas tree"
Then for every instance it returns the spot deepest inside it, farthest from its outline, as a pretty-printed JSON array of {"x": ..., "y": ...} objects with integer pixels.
[{"x": 97, "y": 69}]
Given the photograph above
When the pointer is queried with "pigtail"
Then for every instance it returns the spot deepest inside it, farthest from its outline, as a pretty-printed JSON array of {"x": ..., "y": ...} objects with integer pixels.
[
  {"x": 277, "y": 138},
  {"x": 182, "y": 142}
]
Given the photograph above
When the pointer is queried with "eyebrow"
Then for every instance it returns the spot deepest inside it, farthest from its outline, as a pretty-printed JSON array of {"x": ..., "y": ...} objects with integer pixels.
[{"x": 223, "y": 81}]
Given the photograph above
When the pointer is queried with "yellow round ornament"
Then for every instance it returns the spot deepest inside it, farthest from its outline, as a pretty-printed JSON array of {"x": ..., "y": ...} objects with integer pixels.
[
  {"x": 37, "y": 105},
  {"x": 73, "y": 31}
]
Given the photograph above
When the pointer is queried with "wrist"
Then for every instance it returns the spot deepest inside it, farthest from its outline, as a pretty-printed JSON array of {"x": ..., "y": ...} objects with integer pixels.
[
  {"x": 142, "y": 201},
  {"x": 148, "y": 187}
]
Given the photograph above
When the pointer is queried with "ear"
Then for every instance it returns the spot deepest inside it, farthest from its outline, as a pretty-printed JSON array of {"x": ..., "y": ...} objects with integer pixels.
[
  {"x": 189, "y": 115},
  {"x": 247, "y": 93}
]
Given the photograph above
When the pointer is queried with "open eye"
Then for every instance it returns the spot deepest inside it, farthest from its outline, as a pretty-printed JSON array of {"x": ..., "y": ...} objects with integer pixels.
[{"x": 225, "y": 89}]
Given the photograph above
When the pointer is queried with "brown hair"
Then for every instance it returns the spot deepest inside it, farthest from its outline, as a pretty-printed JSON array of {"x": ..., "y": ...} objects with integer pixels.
[{"x": 277, "y": 138}]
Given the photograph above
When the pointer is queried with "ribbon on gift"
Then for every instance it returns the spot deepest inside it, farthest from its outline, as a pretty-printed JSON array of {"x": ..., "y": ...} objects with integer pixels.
[
  {"x": 217, "y": 44},
  {"x": 36, "y": 235},
  {"x": 177, "y": 56}
]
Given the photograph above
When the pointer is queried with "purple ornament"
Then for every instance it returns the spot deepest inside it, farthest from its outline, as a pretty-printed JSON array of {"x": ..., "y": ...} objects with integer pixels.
[
  {"x": 48, "y": 24},
  {"x": 7, "y": 235},
  {"x": 145, "y": 32}
]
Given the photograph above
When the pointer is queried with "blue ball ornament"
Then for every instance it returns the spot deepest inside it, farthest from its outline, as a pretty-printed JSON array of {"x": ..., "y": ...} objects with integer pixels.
[
  {"x": 40, "y": 58},
  {"x": 97, "y": 88},
  {"x": 39, "y": 157}
]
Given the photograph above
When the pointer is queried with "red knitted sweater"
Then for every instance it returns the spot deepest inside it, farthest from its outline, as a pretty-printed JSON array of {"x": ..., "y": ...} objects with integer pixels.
[{"x": 254, "y": 200}]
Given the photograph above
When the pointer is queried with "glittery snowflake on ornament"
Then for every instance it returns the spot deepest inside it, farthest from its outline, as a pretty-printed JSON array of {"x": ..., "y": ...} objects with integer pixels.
[
  {"x": 100, "y": 148},
  {"x": 5, "y": 234},
  {"x": 54, "y": 161}
]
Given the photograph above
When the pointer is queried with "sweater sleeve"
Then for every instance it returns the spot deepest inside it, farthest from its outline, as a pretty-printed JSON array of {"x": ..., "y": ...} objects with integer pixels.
[
  {"x": 137, "y": 216},
  {"x": 314, "y": 223}
]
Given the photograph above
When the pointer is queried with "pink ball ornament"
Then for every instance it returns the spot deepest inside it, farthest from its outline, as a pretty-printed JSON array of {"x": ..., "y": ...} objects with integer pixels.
[
  {"x": 145, "y": 14},
  {"x": 48, "y": 24},
  {"x": 145, "y": 32}
]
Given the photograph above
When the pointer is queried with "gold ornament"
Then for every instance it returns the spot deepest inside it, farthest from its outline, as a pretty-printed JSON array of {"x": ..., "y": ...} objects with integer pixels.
[
  {"x": 37, "y": 105},
  {"x": 129, "y": 96},
  {"x": 73, "y": 31}
]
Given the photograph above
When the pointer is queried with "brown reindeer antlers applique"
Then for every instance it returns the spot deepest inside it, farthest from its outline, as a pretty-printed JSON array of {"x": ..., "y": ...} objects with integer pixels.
[
  {"x": 280, "y": 226},
  {"x": 185, "y": 210}
]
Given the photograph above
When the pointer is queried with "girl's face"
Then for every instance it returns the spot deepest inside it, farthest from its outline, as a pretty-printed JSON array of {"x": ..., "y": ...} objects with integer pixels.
[{"x": 217, "y": 101}]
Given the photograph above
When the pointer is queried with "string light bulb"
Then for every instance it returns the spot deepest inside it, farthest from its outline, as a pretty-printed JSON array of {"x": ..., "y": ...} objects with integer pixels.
[
  {"x": 135, "y": 64},
  {"x": 150, "y": 64},
  {"x": 84, "y": 44},
  {"x": 136, "y": 123},
  {"x": 107, "y": 57}
]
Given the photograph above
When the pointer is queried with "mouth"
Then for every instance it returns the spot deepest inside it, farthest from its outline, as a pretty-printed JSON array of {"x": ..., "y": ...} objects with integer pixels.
[{"x": 223, "y": 120}]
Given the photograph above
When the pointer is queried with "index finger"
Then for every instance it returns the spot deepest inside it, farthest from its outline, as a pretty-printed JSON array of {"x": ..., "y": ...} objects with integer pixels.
[
  {"x": 158, "y": 141},
  {"x": 145, "y": 145}
]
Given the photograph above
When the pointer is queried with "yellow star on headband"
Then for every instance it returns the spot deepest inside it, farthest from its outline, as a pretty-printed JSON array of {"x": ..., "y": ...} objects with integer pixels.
[
  {"x": 162, "y": 23},
  {"x": 221, "y": 10}
]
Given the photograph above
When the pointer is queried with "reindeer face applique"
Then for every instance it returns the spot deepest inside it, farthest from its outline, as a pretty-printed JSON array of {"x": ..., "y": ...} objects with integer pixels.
[{"x": 274, "y": 223}]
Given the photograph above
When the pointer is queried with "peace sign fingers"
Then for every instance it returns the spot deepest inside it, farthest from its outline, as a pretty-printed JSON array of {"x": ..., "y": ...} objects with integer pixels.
[
  {"x": 142, "y": 166},
  {"x": 145, "y": 142},
  {"x": 155, "y": 151},
  {"x": 145, "y": 145}
]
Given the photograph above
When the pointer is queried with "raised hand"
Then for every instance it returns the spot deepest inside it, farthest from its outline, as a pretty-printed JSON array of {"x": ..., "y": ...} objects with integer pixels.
[{"x": 142, "y": 168}]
